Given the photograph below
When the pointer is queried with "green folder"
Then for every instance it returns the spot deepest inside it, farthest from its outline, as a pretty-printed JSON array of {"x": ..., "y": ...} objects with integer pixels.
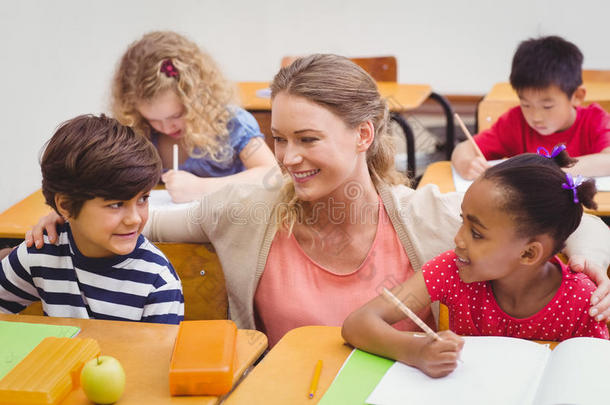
[
  {"x": 359, "y": 375},
  {"x": 18, "y": 339}
]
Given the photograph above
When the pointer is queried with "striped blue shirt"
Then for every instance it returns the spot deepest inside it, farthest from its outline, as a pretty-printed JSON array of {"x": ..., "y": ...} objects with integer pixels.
[{"x": 140, "y": 286}]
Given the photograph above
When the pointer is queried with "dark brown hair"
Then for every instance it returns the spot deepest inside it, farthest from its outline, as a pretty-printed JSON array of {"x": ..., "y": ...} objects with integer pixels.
[
  {"x": 90, "y": 156},
  {"x": 541, "y": 62},
  {"x": 535, "y": 198}
]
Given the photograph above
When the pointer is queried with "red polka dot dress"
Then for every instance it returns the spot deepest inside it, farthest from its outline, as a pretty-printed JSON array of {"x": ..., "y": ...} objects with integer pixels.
[{"x": 473, "y": 310}]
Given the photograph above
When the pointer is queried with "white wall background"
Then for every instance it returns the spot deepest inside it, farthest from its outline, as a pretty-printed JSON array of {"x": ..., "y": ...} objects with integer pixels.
[{"x": 57, "y": 57}]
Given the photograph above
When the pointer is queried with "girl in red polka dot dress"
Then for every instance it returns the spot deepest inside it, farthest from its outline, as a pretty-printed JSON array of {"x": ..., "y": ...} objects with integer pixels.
[{"x": 503, "y": 278}]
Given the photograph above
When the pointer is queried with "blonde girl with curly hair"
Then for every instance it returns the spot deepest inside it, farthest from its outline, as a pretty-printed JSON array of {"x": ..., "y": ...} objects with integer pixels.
[{"x": 167, "y": 88}]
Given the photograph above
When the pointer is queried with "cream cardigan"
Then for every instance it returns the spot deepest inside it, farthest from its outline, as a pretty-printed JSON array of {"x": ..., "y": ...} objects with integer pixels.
[{"x": 239, "y": 221}]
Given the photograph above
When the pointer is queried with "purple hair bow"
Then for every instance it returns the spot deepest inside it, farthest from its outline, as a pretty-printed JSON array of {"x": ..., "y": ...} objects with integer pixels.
[
  {"x": 573, "y": 185},
  {"x": 556, "y": 151}
]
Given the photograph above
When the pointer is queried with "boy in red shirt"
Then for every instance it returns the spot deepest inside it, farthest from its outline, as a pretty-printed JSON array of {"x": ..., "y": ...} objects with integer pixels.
[{"x": 546, "y": 74}]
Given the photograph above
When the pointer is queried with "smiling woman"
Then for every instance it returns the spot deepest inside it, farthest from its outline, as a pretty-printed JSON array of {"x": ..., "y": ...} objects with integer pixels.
[{"x": 340, "y": 225}]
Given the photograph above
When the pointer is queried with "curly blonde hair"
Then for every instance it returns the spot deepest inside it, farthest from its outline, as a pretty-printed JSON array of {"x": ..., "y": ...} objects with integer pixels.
[
  {"x": 344, "y": 88},
  {"x": 199, "y": 84}
]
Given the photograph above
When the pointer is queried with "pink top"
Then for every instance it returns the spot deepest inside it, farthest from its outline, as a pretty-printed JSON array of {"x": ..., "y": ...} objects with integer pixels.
[
  {"x": 473, "y": 309},
  {"x": 511, "y": 135},
  {"x": 295, "y": 291}
]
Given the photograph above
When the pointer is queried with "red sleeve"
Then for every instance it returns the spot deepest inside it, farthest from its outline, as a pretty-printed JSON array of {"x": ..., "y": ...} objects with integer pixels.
[
  {"x": 442, "y": 278},
  {"x": 600, "y": 129},
  {"x": 586, "y": 325},
  {"x": 505, "y": 137},
  {"x": 589, "y": 327}
]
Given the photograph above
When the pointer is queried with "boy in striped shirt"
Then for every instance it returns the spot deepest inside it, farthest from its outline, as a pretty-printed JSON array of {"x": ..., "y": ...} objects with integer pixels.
[{"x": 96, "y": 174}]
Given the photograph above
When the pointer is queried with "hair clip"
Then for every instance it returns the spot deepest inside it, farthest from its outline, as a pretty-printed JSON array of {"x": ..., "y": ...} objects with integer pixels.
[
  {"x": 573, "y": 185},
  {"x": 168, "y": 68},
  {"x": 556, "y": 151}
]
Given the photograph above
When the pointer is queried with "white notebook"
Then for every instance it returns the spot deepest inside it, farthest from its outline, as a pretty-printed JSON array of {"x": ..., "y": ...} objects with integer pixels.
[
  {"x": 161, "y": 200},
  {"x": 507, "y": 371},
  {"x": 461, "y": 184}
]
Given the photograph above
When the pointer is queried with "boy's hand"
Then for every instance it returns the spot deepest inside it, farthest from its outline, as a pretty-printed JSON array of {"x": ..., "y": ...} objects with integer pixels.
[
  {"x": 475, "y": 168},
  {"x": 600, "y": 299},
  {"x": 437, "y": 358},
  {"x": 182, "y": 186},
  {"x": 49, "y": 223}
]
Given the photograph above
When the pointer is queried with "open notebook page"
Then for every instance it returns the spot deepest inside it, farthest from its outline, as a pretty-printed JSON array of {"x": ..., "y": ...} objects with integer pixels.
[
  {"x": 161, "y": 200},
  {"x": 576, "y": 373},
  {"x": 494, "y": 370}
]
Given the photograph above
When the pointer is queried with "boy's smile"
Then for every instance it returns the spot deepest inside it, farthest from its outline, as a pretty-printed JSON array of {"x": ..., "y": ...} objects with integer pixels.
[
  {"x": 106, "y": 228},
  {"x": 549, "y": 110}
]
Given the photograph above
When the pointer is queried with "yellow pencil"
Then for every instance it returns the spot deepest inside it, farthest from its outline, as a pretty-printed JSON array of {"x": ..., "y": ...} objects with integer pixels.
[
  {"x": 411, "y": 314},
  {"x": 315, "y": 379},
  {"x": 468, "y": 136}
]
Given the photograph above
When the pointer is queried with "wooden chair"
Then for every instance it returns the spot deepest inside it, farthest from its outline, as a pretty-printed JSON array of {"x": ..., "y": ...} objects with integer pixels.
[
  {"x": 596, "y": 75},
  {"x": 203, "y": 283},
  {"x": 381, "y": 68}
]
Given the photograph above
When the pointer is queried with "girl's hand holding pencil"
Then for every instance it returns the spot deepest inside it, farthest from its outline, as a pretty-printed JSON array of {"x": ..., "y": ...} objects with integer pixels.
[
  {"x": 181, "y": 185},
  {"x": 436, "y": 354},
  {"x": 438, "y": 357}
]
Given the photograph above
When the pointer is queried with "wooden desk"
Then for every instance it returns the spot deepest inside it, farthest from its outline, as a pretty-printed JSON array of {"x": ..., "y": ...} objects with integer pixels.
[
  {"x": 439, "y": 173},
  {"x": 401, "y": 97},
  {"x": 15, "y": 221},
  {"x": 144, "y": 350},
  {"x": 284, "y": 375},
  {"x": 502, "y": 97}
]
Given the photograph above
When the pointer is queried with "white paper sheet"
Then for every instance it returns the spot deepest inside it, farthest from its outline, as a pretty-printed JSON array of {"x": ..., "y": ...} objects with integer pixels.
[
  {"x": 461, "y": 184},
  {"x": 576, "y": 373},
  {"x": 161, "y": 200},
  {"x": 491, "y": 368},
  {"x": 603, "y": 183}
]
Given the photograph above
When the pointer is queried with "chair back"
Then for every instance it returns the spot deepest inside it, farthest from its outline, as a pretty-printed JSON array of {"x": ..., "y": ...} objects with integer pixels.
[
  {"x": 596, "y": 75},
  {"x": 381, "y": 68},
  {"x": 203, "y": 282}
]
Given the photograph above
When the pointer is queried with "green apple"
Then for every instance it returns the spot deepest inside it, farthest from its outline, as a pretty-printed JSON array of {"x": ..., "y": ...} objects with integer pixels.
[{"x": 103, "y": 380}]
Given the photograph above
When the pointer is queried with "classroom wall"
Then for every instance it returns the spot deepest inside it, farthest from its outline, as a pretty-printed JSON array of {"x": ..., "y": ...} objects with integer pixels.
[{"x": 58, "y": 56}]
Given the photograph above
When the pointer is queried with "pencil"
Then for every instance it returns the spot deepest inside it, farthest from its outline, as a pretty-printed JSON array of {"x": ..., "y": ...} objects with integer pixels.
[
  {"x": 411, "y": 314},
  {"x": 468, "y": 136},
  {"x": 175, "y": 156},
  {"x": 315, "y": 379}
]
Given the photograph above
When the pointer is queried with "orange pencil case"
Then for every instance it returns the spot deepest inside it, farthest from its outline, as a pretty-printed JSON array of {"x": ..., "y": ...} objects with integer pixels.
[
  {"x": 203, "y": 360},
  {"x": 48, "y": 373}
]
